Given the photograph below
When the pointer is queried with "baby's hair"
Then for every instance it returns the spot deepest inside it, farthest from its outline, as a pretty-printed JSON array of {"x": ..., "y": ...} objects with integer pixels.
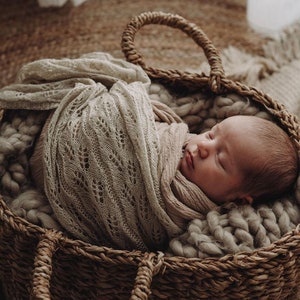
[{"x": 276, "y": 172}]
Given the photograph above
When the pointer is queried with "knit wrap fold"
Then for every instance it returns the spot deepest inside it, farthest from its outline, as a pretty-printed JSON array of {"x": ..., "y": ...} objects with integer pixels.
[{"x": 100, "y": 158}]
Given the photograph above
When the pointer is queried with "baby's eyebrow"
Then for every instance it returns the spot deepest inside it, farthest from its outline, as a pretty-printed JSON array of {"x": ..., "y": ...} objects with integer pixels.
[
  {"x": 226, "y": 147},
  {"x": 218, "y": 130},
  {"x": 223, "y": 146},
  {"x": 215, "y": 128}
]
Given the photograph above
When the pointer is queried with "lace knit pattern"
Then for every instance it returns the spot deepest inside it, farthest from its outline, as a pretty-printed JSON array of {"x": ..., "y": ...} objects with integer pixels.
[{"x": 101, "y": 158}]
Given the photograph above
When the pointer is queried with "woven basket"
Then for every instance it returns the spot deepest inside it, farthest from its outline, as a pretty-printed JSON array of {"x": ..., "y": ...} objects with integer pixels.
[{"x": 36, "y": 263}]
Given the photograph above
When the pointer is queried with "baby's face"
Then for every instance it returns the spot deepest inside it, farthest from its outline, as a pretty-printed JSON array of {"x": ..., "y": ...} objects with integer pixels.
[{"x": 213, "y": 160}]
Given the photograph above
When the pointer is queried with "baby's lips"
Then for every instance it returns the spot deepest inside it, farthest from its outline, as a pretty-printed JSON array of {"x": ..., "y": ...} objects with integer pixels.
[{"x": 189, "y": 159}]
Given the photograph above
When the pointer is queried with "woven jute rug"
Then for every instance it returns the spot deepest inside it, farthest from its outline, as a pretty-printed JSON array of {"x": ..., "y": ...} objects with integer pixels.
[{"x": 29, "y": 32}]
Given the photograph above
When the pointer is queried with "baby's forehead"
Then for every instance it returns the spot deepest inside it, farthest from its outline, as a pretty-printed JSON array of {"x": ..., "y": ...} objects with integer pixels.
[
  {"x": 238, "y": 124},
  {"x": 239, "y": 136},
  {"x": 240, "y": 119}
]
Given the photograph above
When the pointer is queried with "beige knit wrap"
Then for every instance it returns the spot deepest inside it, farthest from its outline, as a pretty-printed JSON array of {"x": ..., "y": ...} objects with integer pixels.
[{"x": 109, "y": 173}]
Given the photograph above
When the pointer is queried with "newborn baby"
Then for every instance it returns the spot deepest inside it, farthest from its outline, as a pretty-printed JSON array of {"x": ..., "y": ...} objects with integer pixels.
[{"x": 241, "y": 158}]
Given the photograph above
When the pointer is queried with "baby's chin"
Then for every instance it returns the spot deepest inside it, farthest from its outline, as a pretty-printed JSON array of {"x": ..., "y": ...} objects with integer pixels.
[{"x": 217, "y": 199}]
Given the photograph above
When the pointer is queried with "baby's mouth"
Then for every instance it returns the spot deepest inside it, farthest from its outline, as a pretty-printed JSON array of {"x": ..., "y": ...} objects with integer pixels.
[{"x": 189, "y": 159}]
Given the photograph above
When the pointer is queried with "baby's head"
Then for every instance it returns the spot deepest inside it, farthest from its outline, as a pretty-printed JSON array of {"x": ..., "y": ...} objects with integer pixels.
[{"x": 241, "y": 158}]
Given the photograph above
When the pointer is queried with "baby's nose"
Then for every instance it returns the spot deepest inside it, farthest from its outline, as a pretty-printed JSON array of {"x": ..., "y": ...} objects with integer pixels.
[
  {"x": 202, "y": 149},
  {"x": 203, "y": 152}
]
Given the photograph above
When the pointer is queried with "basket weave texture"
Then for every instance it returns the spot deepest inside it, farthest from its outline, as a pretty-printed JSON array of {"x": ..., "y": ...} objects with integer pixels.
[{"x": 39, "y": 263}]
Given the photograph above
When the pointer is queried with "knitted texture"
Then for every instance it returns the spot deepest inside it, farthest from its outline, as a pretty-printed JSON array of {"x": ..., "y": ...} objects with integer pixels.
[
  {"x": 280, "y": 63},
  {"x": 234, "y": 228},
  {"x": 100, "y": 157},
  {"x": 230, "y": 230},
  {"x": 117, "y": 177},
  {"x": 201, "y": 112},
  {"x": 208, "y": 110},
  {"x": 183, "y": 199},
  {"x": 102, "y": 151},
  {"x": 17, "y": 134}
]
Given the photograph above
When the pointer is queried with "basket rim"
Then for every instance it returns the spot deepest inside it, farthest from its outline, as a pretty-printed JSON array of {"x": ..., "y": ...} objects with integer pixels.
[{"x": 243, "y": 259}]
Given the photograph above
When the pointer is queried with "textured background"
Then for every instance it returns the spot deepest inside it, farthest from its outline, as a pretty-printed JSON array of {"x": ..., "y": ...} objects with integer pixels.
[{"x": 28, "y": 32}]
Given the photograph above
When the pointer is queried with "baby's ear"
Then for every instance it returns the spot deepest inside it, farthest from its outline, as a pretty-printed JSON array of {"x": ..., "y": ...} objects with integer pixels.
[
  {"x": 244, "y": 200},
  {"x": 248, "y": 200}
]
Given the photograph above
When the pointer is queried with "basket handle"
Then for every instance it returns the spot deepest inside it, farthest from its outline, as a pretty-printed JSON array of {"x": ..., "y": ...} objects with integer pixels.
[
  {"x": 42, "y": 271},
  {"x": 149, "y": 266},
  {"x": 173, "y": 76}
]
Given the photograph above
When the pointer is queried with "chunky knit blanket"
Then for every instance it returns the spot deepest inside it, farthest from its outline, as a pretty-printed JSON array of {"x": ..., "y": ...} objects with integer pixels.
[{"x": 231, "y": 228}]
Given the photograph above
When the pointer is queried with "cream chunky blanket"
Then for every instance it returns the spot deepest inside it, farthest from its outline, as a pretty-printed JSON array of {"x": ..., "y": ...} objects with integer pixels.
[{"x": 103, "y": 120}]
